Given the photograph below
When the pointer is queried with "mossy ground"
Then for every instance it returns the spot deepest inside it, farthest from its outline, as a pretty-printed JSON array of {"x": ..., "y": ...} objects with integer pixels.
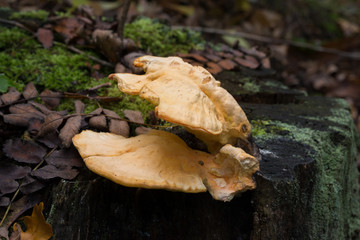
[{"x": 159, "y": 39}]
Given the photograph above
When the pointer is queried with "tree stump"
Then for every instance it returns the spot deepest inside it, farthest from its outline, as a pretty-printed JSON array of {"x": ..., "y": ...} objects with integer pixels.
[{"x": 307, "y": 187}]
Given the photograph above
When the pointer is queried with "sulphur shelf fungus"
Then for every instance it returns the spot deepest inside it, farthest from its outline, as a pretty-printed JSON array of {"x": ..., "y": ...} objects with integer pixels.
[
  {"x": 188, "y": 96},
  {"x": 161, "y": 159}
]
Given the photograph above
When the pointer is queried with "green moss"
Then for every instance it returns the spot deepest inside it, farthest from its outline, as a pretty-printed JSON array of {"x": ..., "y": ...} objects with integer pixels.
[
  {"x": 23, "y": 60},
  {"x": 159, "y": 39},
  {"x": 265, "y": 128},
  {"x": 33, "y": 14},
  {"x": 335, "y": 208}
]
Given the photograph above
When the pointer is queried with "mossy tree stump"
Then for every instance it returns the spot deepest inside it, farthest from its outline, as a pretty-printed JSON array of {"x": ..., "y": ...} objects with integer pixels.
[{"x": 307, "y": 187}]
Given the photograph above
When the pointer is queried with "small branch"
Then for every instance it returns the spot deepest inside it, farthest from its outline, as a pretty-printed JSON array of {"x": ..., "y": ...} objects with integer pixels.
[
  {"x": 95, "y": 59},
  {"x": 122, "y": 20},
  {"x": 17, "y": 24},
  {"x": 260, "y": 38},
  {"x": 108, "y": 84}
]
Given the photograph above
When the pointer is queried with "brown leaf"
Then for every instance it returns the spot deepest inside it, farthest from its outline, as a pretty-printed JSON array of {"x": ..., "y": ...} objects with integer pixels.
[
  {"x": 98, "y": 122},
  {"x": 142, "y": 130},
  {"x": 4, "y": 201},
  {"x": 227, "y": 64},
  {"x": 25, "y": 108},
  {"x": 212, "y": 57},
  {"x": 50, "y": 98},
  {"x": 119, "y": 68},
  {"x": 50, "y": 140},
  {"x": 97, "y": 111},
  {"x": 249, "y": 62},
  {"x": 134, "y": 116},
  {"x": 71, "y": 128},
  {"x": 41, "y": 107},
  {"x": 24, "y": 151},
  {"x": 10, "y": 97},
  {"x": 46, "y": 37},
  {"x": 30, "y": 185},
  {"x": 129, "y": 59},
  {"x": 36, "y": 226},
  {"x": 265, "y": 62},
  {"x": 8, "y": 186},
  {"x": 213, "y": 68},
  {"x": 79, "y": 106},
  {"x": 194, "y": 56},
  {"x": 110, "y": 44},
  {"x": 21, "y": 119},
  {"x": 65, "y": 157},
  {"x": 30, "y": 91},
  {"x": 117, "y": 125},
  {"x": 13, "y": 171},
  {"x": 69, "y": 28},
  {"x": 52, "y": 122},
  {"x": 50, "y": 172},
  {"x": 34, "y": 126}
]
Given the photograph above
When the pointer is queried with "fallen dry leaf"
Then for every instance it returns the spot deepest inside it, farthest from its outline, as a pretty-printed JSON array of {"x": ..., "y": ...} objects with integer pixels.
[
  {"x": 8, "y": 186},
  {"x": 227, "y": 64},
  {"x": 98, "y": 122},
  {"x": 71, "y": 128},
  {"x": 65, "y": 157},
  {"x": 117, "y": 125},
  {"x": 11, "y": 96},
  {"x": 134, "y": 116},
  {"x": 36, "y": 226},
  {"x": 213, "y": 68},
  {"x": 79, "y": 106},
  {"x": 25, "y": 108},
  {"x": 20, "y": 119},
  {"x": 249, "y": 62},
  {"x": 4, "y": 201},
  {"x": 50, "y": 172},
  {"x": 69, "y": 28},
  {"x": 34, "y": 126},
  {"x": 50, "y": 98},
  {"x": 41, "y": 107},
  {"x": 45, "y": 37},
  {"x": 30, "y": 91},
  {"x": 50, "y": 140},
  {"x": 52, "y": 122},
  {"x": 30, "y": 185},
  {"x": 24, "y": 151}
]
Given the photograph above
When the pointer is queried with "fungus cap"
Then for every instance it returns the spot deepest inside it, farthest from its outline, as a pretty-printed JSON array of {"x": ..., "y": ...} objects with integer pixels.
[
  {"x": 189, "y": 96},
  {"x": 157, "y": 159}
]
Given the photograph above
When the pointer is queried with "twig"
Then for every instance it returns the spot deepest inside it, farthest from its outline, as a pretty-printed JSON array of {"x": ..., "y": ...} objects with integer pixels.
[
  {"x": 108, "y": 84},
  {"x": 95, "y": 59},
  {"x": 260, "y": 38},
  {"x": 18, "y": 189},
  {"x": 122, "y": 20},
  {"x": 16, "y": 24}
]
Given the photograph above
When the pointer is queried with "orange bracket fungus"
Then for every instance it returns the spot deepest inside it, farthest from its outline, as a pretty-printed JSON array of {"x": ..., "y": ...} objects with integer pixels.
[{"x": 188, "y": 96}]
